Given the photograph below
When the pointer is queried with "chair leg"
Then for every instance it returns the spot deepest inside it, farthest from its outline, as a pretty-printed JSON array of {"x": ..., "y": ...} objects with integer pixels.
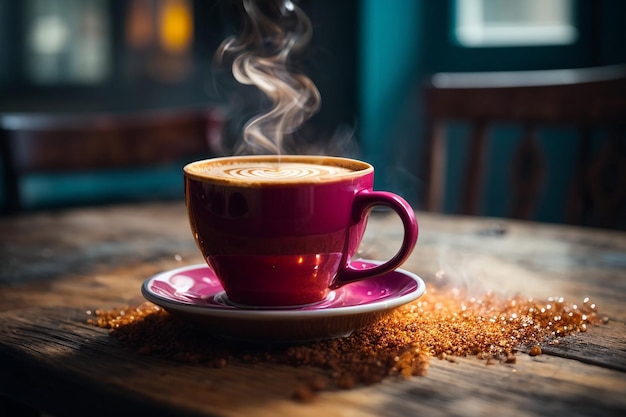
[
  {"x": 437, "y": 167},
  {"x": 528, "y": 174},
  {"x": 607, "y": 184},
  {"x": 475, "y": 170},
  {"x": 12, "y": 202},
  {"x": 578, "y": 199}
]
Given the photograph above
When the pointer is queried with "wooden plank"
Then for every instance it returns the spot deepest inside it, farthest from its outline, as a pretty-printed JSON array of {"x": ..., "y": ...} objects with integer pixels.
[
  {"x": 512, "y": 257},
  {"x": 57, "y": 265},
  {"x": 101, "y": 256},
  {"x": 49, "y": 245},
  {"x": 53, "y": 358}
]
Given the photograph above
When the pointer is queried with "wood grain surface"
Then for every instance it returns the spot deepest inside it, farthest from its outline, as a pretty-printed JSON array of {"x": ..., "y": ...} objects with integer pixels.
[{"x": 56, "y": 266}]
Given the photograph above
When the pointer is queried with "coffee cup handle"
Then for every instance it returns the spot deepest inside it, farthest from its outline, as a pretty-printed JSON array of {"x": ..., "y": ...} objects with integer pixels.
[{"x": 364, "y": 201}]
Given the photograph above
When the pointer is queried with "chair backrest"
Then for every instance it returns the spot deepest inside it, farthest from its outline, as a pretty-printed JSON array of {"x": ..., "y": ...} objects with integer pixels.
[
  {"x": 63, "y": 143},
  {"x": 588, "y": 99}
]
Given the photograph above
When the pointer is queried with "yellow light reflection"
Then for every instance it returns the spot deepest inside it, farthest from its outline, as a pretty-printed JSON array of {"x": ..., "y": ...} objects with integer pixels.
[{"x": 175, "y": 25}]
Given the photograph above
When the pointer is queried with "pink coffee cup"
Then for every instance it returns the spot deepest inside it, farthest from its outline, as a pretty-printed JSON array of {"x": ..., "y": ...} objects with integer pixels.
[{"x": 281, "y": 231}]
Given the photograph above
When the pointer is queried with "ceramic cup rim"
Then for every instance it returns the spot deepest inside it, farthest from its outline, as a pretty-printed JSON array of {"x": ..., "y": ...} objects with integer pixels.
[{"x": 359, "y": 169}]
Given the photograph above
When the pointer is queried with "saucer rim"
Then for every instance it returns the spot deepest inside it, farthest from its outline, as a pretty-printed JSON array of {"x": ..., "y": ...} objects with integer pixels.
[{"x": 282, "y": 314}]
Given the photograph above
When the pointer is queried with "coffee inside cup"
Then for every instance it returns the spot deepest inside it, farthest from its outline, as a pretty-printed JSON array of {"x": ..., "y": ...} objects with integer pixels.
[{"x": 262, "y": 170}]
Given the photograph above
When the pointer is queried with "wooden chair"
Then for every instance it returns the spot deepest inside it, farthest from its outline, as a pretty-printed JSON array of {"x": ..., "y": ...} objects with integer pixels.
[
  {"x": 70, "y": 143},
  {"x": 588, "y": 99}
]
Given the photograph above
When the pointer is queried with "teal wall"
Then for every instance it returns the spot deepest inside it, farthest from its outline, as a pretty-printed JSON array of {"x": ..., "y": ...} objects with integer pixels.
[
  {"x": 59, "y": 190},
  {"x": 389, "y": 56}
]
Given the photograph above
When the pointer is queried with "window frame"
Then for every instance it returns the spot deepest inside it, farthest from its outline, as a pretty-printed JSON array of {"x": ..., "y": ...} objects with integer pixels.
[{"x": 471, "y": 30}]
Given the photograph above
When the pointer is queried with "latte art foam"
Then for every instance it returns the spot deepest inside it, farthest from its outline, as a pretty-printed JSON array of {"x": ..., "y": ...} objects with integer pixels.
[
  {"x": 273, "y": 172},
  {"x": 284, "y": 172}
]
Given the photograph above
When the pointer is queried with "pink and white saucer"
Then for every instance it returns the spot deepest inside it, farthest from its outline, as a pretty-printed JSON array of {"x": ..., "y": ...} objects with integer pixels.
[{"x": 194, "y": 292}]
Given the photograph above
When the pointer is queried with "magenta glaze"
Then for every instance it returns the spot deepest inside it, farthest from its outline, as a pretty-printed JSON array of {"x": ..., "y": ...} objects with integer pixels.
[
  {"x": 198, "y": 286},
  {"x": 289, "y": 244}
]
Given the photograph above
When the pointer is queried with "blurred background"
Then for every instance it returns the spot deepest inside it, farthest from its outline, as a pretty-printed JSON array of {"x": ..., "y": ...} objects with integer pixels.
[{"x": 369, "y": 58}]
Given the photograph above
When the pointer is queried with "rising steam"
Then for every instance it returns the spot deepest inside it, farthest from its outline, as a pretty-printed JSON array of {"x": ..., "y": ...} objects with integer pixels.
[{"x": 262, "y": 56}]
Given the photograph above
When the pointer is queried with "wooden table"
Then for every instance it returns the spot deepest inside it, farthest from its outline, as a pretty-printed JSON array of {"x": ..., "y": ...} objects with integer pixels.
[{"x": 56, "y": 265}]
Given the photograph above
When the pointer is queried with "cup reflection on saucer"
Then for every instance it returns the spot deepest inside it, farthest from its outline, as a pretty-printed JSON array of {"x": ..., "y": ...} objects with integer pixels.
[{"x": 195, "y": 293}]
